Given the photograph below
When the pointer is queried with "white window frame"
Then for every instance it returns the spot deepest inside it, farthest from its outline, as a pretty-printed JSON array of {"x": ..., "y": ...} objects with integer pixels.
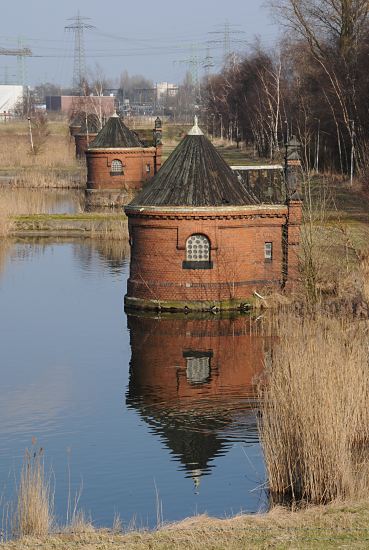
[
  {"x": 113, "y": 170},
  {"x": 268, "y": 251}
]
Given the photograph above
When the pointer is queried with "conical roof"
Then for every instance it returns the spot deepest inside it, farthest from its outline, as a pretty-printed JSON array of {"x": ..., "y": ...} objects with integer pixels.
[
  {"x": 91, "y": 125},
  {"x": 194, "y": 175},
  {"x": 116, "y": 135}
]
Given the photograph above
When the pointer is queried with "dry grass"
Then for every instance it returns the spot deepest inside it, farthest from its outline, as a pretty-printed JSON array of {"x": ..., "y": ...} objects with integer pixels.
[
  {"x": 16, "y": 202},
  {"x": 55, "y": 166},
  {"x": 334, "y": 526},
  {"x": 114, "y": 230},
  {"x": 34, "y": 510},
  {"x": 23, "y": 202},
  {"x": 315, "y": 414}
]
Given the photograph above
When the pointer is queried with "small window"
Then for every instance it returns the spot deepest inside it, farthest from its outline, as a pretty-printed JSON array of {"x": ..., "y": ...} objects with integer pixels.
[
  {"x": 148, "y": 168},
  {"x": 116, "y": 168},
  {"x": 198, "y": 248},
  {"x": 198, "y": 369},
  {"x": 268, "y": 252},
  {"x": 197, "y": 253},
  {"x": 198, "y": 366}
]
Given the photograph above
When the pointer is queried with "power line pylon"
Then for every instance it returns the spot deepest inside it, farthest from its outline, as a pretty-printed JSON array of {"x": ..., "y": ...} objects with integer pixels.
[
  {"x": 208, "y": 63},
  {"x": 193, "y": 63},
  {"x": 78, "y": 26},
  {"x": 226, "y": 37},
  {"x": 20, "y": 53},
  {"x": 21, "y": 63}
]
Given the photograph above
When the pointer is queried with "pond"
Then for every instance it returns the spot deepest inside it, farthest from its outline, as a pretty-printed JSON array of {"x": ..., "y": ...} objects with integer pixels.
[{"x": 127, "y": 408}]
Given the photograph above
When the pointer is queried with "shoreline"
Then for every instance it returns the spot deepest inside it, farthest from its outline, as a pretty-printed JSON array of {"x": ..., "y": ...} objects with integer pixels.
[
  {"x": 337, "y": 525},
  {"x": 89, "y": 225}
]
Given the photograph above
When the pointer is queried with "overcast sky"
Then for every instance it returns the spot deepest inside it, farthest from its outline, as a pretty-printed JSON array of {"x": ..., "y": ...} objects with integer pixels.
[{"x": 142, "y": 37}]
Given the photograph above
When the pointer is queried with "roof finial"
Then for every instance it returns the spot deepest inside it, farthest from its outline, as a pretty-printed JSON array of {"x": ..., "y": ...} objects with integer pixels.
[{"x": 195, "y": 130}]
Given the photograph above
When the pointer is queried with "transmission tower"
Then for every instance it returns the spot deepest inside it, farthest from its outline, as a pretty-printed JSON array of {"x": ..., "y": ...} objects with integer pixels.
[
  {"x": 21, "y": 63},
  {"x": 227, "y": 37},
  {"x": 208, "y": 63},
  {"x": 78, "y": 26},
  {"x": 193, "y": 63},
  {"x": 20, "y": 53}
]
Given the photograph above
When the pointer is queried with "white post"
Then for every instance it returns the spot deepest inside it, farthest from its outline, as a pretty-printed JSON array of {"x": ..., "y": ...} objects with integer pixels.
[{"x": 30, "y": 134}]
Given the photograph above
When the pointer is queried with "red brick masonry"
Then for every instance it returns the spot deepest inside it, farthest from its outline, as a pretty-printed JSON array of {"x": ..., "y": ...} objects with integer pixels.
[
  {"x": 82, "y": 141},
  {"x": 135, "y": 162},
  {"x": 237, "y": 237}
]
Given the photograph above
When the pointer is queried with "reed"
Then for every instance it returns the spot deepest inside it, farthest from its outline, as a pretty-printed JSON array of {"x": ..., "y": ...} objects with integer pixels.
[
  {"x": 112, "y": 230},
  {"x": 314, "y": 423},
  {"x": 54, "y": 166},
  {"x": 34, "y": 510}
]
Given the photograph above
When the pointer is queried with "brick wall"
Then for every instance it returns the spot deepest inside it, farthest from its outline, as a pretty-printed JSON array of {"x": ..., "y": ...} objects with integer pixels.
[
  {"x": 135, "y": 162},
  {"x": 293, "y": 231},
  {"x": 82, "y": 141},
  {"x": 237, "y": 239}
]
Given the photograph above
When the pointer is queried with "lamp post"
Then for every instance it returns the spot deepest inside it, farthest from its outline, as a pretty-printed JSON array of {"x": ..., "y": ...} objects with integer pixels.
[{"x": 292, "y": 164}]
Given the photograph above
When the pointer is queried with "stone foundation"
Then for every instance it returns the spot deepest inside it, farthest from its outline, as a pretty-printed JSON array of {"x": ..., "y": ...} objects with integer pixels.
[
  {"x": 187, "y": 306},
  {"x": 107, "y": 198}
]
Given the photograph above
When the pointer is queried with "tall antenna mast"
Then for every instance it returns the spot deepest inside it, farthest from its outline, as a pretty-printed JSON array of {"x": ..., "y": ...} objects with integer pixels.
[{"x": 78, "y": 25}]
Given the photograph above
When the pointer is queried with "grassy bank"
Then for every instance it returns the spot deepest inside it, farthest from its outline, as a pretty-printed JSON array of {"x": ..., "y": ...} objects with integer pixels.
[
  {"x": 54, "y": 166},
  {"x": 333, "y": 526},
  {"x": 113, "y": 227}
]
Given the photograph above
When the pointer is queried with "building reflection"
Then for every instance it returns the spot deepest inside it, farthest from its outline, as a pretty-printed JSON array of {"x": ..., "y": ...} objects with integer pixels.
[{"x": 193, "y": 380}]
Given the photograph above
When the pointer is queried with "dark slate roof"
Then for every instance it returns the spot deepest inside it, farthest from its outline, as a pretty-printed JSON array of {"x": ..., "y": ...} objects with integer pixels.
[
  {"x": 194, "y": 175},
  {"x": 91, "y": 125},
  {"x": 115, "y": 134}
]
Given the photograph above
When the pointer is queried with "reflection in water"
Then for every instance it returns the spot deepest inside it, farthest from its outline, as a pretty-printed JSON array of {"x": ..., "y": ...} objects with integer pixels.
[
  {"x": 111, "y": 254},
  {"x": 66, "y": 359},
  {"x": 90, "y": 254},
  {"x": 5, "y": 245},
  {"x": 193, "y": 382}
]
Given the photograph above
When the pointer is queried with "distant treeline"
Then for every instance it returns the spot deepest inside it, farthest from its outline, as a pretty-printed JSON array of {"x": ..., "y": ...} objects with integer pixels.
[{"x": 314, "y": 84}]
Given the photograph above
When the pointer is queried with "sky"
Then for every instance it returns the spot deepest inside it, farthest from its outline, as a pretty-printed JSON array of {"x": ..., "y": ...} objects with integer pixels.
[{"x": 155, "y": 39}]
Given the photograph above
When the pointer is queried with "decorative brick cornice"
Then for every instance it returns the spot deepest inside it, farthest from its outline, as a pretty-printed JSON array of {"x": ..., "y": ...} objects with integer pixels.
[
  {"x": 259, "y": 214},
  {"x": 133, "y": 151}
]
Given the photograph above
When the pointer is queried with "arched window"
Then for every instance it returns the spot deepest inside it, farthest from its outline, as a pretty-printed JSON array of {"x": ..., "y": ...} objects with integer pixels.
[
  {"x": 197, "y": 252},
  {"x": 116, "y": 167}
]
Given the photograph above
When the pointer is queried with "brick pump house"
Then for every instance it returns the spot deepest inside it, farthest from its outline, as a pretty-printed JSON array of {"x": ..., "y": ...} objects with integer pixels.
[
  {"x": 119, "y": 164},
  {"x": 201, "y": 241},
  {"x": 87, "y": 132}
]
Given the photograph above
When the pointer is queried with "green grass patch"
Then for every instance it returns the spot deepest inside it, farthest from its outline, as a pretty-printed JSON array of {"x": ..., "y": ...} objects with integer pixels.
[{"x": 84, "y": 216}]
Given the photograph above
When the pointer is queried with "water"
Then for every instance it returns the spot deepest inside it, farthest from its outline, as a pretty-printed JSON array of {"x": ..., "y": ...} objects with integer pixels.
[{"x": 131, "y": 406}]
